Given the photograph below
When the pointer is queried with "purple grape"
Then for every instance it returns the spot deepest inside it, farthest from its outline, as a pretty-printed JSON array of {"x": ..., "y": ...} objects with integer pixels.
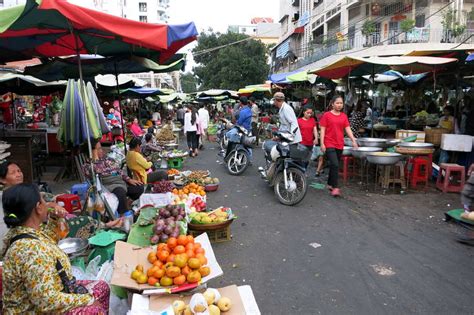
[
  {"x": 155, "y": 239},
  {"x": 168, "y": 230},
  {"x": 179, "y": 218},
  {"x": 164, "y": 238},
  {"x": 166, "y": 214},
  {"x": 159, "y": 228}
]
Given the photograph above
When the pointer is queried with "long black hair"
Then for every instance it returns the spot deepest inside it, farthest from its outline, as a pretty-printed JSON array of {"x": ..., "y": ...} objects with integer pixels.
[
  {"x": 18, "y": 203},
  {"x": 193, "y": 115}
]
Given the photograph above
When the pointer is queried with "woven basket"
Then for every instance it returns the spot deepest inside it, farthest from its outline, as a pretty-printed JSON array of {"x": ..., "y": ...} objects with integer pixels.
[
  {"x": 412, "y": 151},
  {"x": 209, "y": 227}
]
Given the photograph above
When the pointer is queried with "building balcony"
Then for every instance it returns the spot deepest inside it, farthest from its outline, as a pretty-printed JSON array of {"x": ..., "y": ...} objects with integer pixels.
[{"x": 392, "y": 39}]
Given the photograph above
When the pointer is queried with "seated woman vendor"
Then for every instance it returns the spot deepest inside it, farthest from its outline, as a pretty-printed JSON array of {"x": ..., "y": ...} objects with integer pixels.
[
  {"x": 81, "y": 226},
  {"x": 447, "y": 120},
  {"x": 37, "y": 274},
  {"x": 140, "y": 166},
  {"x": 113, "y": 178}
]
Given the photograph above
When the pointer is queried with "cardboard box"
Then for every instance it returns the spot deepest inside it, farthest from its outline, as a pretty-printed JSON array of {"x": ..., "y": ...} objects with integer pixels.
[
  {"x": 458, "y": 143},
  {"x": 128, "y": 256},
  {"x": 159, "y": 303}
]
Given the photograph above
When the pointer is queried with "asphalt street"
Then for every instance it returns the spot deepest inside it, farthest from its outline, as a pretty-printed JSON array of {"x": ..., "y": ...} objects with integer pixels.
[{"x": 364, "y": 253}]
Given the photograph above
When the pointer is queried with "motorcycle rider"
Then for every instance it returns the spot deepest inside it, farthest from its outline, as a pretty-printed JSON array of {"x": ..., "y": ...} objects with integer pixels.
[
  {"x": 245, "y": 119},
  {"x": 288, "y": 122}
]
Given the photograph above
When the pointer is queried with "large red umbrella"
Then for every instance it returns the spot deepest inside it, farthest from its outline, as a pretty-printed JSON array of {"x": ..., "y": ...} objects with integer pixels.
[{"x": 52, "y": 28}]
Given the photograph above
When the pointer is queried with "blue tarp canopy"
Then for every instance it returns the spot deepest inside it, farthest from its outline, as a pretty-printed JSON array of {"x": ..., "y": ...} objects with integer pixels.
[
  {"x": 409, "y": 79},
  {"x": 141, "y": 92}
]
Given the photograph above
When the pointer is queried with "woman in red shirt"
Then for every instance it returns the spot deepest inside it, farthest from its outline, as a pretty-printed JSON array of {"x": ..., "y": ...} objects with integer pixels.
[
  {"x": 308, "y": 129},
  {"x": 333, "y": 124}
]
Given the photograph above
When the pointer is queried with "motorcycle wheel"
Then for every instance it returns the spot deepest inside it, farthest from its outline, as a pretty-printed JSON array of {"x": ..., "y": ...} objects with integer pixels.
[
  {"x": 237, "y": 163},
  {"x": 290, "y": 198},
  {"x": 222, "y": 144}
]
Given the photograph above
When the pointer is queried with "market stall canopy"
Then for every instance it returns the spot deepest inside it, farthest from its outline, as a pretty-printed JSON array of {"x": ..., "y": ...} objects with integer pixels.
[
  {"x": 302, "y": 76},
  {"x": 356, "y": 66},
  {"x": 281, "y": 78},
  {"x": 257, "y": 88},
  {"x": 173, "y": 97},
  {"x": 408, "y": 79},
  {"x": 92, "y": 65},
  {"x": 53, "y": 28},
  {"x": 110, "y": 81},
  {"x": 141, "y": 92},
  {"x": 216, "y": 93},
  {"x": 28, "y": 85}
]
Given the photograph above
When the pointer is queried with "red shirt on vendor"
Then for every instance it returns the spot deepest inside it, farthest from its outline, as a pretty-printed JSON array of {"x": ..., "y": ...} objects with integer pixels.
[
  {"x": 307, "y": 125},
  {"x": 335, "y": 125}
]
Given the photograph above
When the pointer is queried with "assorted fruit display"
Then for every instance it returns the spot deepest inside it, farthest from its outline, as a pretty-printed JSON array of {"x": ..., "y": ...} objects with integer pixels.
[
  {"x": 191, "y": 188},
  {"x": 211, "y": 181},
  {"x": 210, "y": 302},
  {"x": 198, "y": 205},
  {"x": 178, "y": 261},
  {"x": 219, "y": 215}
]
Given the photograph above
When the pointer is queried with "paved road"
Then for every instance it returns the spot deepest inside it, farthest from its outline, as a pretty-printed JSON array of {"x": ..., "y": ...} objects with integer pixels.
[{"x": 378, "y": 253}]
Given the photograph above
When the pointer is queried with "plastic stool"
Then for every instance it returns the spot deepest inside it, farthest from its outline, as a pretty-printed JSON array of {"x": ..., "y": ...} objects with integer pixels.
[
  {"x": 71, "y": 202},
  {"x": 80, "y": 190},
  {"x": 348, "y": 167},
  {"x": 420, "y": 172},
  {"x": 392, "y": 174},
  {"x": 453, "y": 180}
]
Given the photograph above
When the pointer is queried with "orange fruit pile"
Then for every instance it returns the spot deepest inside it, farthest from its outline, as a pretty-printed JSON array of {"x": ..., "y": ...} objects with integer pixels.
[
  {"x": 191, "y": 188},
  {"x": 179, "y": 261},
  {"x": 173, "y": 171}
]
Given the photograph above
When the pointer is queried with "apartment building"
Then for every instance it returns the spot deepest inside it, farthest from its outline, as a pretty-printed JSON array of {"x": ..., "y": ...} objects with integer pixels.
[
  {"x": 314, "y": 33},
  {"x": 263, "y": 29}
]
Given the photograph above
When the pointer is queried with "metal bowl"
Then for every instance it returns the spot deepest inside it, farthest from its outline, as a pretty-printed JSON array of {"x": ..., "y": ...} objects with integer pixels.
[
  {"x": 392, "y": 142},
  {"x": 416, "y": 145},
  {"x": 73, "y": 246},
  {"x": 347, "y": 150},
  {"x": 384, "y": 158},
  {"x": 372, "y": 142},
  {"x": 361, "y": 152}
]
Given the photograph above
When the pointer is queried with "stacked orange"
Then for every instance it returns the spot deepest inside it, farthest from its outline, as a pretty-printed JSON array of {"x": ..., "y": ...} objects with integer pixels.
[
  {"x": 178, "y": 261},
  {"x": 191, "y": 188},
  {"x": 173, "y": 171}
]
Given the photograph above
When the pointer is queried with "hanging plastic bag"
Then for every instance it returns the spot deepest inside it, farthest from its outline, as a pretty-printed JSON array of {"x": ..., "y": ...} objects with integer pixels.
[{"x": 106, "y": 196}]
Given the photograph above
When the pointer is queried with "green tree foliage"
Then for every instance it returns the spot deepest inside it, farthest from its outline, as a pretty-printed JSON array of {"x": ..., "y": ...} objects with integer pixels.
[
  {"x": 229, "y": 67},
  {"x": 189, "y": 82}
]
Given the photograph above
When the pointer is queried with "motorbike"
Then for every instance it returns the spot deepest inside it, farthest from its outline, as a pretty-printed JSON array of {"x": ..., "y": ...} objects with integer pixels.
[
  {"x": 222, "y": 129},
  {"x": 237, "y": 157},
  {"x": 285, "y": 169}
]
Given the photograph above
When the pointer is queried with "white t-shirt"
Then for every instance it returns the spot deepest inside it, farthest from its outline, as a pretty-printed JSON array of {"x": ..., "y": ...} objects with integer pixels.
[
  {"x": 156, "y": 116},
  {"x": 289, "y": 122},
  {"x": 187, "y": 123},
  {"x": 204, "y": 117}
]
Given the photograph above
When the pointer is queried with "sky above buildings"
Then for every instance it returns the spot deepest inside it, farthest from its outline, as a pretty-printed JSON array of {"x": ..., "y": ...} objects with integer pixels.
[{"x": 219, "y": 14}]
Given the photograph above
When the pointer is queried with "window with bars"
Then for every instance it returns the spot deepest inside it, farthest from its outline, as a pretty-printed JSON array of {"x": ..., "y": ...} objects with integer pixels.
[
  {"x": 142, "y": 6},
  {"x": 143, "y": 18}
]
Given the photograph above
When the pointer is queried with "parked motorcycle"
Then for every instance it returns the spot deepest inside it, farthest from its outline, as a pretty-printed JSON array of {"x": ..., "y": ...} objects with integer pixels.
[
  {"x": 238, "y": 153},
  {"x": 285, "y": 169}
]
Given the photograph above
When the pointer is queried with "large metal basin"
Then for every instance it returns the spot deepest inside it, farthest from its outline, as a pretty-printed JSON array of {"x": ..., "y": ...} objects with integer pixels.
[
  {"x": 416, "y": 145},
  {"x": 392, "y": 142},
  {"x": 361, "y": 152},
  {"x": 383, "y": 158},
  {"x": 73, "y": 246},
  {"x": 347, "y": 150},
  {"x": 372, "y": 142}
]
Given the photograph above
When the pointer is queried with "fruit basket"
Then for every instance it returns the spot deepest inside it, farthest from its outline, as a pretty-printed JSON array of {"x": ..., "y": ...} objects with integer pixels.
[{"x": 209, "y": 226}]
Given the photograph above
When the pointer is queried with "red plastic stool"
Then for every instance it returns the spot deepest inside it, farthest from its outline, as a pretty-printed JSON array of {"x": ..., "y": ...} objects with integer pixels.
[
  {"x": 453, "y": 180},
  {"x": 71, "y": 202},
  {"x": 348, "y": 167},
  {"x": 420, "y": 171}
]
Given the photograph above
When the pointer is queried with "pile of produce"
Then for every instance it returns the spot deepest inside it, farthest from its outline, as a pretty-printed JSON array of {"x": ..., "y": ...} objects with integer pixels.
[
  {"x": 219, "y": 215},
  {"x": 173, "y": 171},
  {"x": 211, "y": 181},
  {"x": 198, "y": 205},
  {"x": 162, "y": 187},
  {"x": 210, "y": 302},
  {"x": 165, "y": 134},
  {"x": 166, "y": 223},
  {"x": 197, "y": 176},
  {"x": 191, "y": 188},
  {"x": 179, "y": 261}
]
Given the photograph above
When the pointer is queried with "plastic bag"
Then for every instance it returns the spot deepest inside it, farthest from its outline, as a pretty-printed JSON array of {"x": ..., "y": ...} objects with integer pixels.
[
  {"x": 109, "y": 198},
  {"x": 316, "y": 153},
  {"x": 92, "y": 269},
  {"x": 198, "y": 304}
]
